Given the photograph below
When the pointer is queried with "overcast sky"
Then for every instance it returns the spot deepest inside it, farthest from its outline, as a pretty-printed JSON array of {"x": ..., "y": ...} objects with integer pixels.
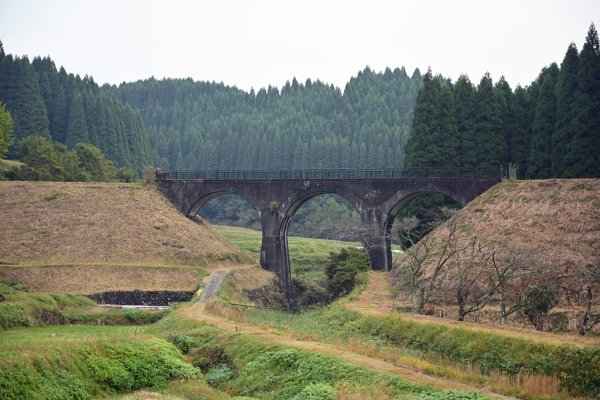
[{"x": 250, "y": 43}]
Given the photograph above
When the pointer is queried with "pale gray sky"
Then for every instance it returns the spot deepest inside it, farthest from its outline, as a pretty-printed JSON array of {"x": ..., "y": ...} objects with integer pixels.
[{"x": 251, "y": 43}]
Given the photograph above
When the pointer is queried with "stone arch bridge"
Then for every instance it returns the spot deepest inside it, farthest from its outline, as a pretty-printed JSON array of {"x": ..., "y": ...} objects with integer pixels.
[{"x": 377, "y": 195}]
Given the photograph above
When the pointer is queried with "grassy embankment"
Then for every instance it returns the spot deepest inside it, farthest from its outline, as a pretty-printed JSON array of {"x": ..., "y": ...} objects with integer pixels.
[
  {"x": 22, "y": 308},
  {"x": 64, "y": 237},
  {"x": 209, "y": 363}
]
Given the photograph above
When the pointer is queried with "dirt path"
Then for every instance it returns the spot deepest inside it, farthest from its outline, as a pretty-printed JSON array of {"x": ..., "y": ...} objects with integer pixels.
[
  {"x": 377, "y": 298},
  {"x": 197, "y": 312}
]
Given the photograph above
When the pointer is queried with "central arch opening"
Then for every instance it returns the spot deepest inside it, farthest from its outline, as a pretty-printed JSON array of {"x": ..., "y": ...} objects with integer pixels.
[{"x": 321, "y": 225}]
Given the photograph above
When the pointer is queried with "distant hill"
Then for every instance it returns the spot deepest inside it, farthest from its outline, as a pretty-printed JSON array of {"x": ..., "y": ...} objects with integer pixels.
[{"x": 120, "y": 228}]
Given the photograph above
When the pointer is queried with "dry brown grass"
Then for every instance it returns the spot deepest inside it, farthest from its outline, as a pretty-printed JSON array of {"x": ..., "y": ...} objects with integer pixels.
[
  {"x": 251, "y": 278},
  {"x": 96, "y": 279},
  {"x": 554, "y": 222},
  {"x": 51, "y": 223},
  {"x": 557, "y": 220}
]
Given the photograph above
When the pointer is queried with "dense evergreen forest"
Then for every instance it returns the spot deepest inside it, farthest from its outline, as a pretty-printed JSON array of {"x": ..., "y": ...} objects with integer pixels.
[
  {"x": 550, "y": 129},
  {"x": 69, "y": 109},
  {"x": 201, "y": 125}
]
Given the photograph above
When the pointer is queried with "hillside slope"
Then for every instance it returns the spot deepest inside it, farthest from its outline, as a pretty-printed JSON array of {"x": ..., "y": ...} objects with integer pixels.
[
  {"x": 548, "y": 227},
  {"x": 557, "y": 219},
  {"x": 51, "y": 223}
]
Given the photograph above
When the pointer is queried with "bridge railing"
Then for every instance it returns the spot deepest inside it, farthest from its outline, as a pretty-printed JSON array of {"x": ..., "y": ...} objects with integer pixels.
[{"x": 320, "y": 174}]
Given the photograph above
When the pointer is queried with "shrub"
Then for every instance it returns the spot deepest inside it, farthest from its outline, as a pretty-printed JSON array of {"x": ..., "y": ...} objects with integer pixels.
[
  {"x": 316, "y": 391},
  {"x": 211, "y": 357},
  {"x": 219, "y": 374},
  {"x": 182, "y": 342},
  {"x": 342, "y": 269},
  {"x": 540, "y": 300}
]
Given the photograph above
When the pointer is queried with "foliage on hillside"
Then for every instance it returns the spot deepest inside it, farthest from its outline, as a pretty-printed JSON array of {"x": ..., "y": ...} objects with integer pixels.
[
  {"x": 69, "y": 109},
  {"x": 95, "y": 223},
  {"x": 6, "y": 130},
  {"x": 45, "y": 160},
  {"x": 202, "y": 125}
]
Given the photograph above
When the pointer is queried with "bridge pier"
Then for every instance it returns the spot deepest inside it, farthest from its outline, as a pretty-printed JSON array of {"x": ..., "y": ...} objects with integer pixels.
[
  {"x": 274, "y": 254},
  {"x": 375, "y": 239}
]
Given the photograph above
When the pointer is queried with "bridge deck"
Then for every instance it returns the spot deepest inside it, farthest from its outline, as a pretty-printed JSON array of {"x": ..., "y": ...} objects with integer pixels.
[{"x": 329, "y": 174}]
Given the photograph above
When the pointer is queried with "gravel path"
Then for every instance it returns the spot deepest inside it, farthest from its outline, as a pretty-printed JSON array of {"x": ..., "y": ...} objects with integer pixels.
[{"x": 215, "y": 280}]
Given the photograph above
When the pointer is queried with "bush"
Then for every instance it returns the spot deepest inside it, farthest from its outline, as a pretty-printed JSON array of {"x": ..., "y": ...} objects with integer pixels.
[
  {"x": 316, "y": 391},
  {"x": 211, "y": 357},
  {"x": 342, "y": 269},
  {"x": 219, "y": 374},
  {"x": 183, "y": 343},
  {"x": 540, "y": 300}
]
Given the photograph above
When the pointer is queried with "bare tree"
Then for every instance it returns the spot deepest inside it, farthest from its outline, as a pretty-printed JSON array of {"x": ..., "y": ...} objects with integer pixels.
[
  {"x": 424, "y": 267},
  {"x": 592, "y": 276},
  {"x": 513, "y": 270},
  {"x": 473, "y": 283}
]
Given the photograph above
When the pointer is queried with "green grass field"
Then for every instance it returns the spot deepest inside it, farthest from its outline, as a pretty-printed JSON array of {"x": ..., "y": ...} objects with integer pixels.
[{"x": 301, "y": 249}]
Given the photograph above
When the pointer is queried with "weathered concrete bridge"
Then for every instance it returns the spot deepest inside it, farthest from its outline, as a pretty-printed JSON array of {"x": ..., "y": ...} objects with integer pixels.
[{"x": 377, "y": 195}]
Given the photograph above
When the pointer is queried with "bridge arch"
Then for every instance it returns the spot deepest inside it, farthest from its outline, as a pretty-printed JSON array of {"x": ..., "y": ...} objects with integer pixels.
[
  {"x": 396, "y": 203},
  {"x": 202, "y": 198}
]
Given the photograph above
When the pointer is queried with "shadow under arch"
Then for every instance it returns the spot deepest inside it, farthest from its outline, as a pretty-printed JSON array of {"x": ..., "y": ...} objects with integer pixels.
[
  {"x": 395, "y": 208},
  {"x": 201, "y": 202},
  {"x": 291, "y": 210},
  {"x": 298, "y": 202}
]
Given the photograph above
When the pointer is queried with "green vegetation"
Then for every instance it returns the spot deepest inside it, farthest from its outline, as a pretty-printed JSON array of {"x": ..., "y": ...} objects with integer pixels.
[
  {"x": 82, "y": 362},
  {"x": 342, "y": 270},
  {"x": 69, "y": 109},
  {"x": 22, "y": 308},
  {"x": 576, "y": 366},
  {"x": 247, "y": 366},
  {"x": 6, "y": 129},
  {"x": 549, "y": 128},
  {"x": 45, "y": 160}
]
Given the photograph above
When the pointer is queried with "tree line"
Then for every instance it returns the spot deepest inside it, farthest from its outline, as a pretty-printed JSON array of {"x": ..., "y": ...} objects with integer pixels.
[
  {"x": 69, "y": 109},
  {"x": 203, "y": 125},
  {"x": 550, "y": 128}
]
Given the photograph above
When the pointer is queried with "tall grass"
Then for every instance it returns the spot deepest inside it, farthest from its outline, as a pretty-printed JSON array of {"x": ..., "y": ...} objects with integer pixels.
[
  {"x": 453, "y": 352},
  {"x": 85, "y": 362},
  {"x": 248, "y": 366}
]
